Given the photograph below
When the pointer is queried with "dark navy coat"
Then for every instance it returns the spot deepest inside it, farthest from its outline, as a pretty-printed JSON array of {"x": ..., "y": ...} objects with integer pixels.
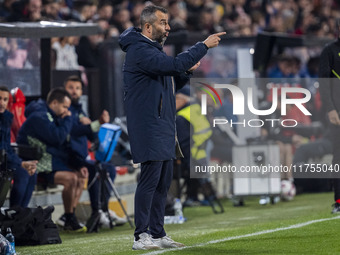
[
  {"x": 80, "y": 133},
  {"x": 43, "y": 124},
  {"x": 13, "y": 161},
  {"x": 150, "y": 81}
]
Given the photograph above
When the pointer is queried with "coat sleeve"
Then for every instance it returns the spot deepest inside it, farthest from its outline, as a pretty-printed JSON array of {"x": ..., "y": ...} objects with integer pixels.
[
  {"x": 13, "y": 159},
  {"x": 181, "y": 80},
  {"x": 79, "y": 129},
  {"x": 325, "y": 84},
  {"x": 54, "y": 135},
  {"x": 183, "y": 134},
  {"x": 155, "y": 62}
]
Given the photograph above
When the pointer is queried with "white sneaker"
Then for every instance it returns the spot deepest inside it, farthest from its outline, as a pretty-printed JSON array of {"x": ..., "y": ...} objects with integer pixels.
[
  {"x": 118, "y": 220},
  {"x": 104, "y": 220},
  {"x": 144, "y": 243},
  {"x": 61, "y": 221},
  {"x": 166, "y": 242},
  {"x": 264, "y": 200}
]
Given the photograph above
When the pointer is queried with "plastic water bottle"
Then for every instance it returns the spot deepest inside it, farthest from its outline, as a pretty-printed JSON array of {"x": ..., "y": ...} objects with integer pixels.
[
  {"x": 3, "y": 245},
  {"x": 168, "y": 219},
  {"x": 178, "y": 211},
  {"x": 10, "y": 238}
]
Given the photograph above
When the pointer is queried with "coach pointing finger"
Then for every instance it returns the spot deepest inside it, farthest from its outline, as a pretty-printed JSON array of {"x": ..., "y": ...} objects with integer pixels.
[
  {"x": 213, "y": 40},
  {"x": 151, "y": 79}
]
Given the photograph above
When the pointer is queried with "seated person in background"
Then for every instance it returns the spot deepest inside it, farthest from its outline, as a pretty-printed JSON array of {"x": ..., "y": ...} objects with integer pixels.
[
  {"x": 287, "y": 139},
  {"x": 48, "y": 126},
  {"x": 284, "y": 68},
  {"x": 83, "y": 129},
  {"x": 20, "y": 194},
  {"x": 290, "y": 139},
  {"x": 309, "y": 153},
  {"x": 317, "y": 148}
]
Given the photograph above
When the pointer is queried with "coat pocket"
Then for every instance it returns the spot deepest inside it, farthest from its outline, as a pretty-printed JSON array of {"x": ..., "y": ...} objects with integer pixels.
[{"x": 160, "y": 107}]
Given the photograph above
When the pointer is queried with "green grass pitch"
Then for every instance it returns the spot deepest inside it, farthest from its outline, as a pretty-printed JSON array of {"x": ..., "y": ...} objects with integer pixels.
[{"x": 302, "y": 226}]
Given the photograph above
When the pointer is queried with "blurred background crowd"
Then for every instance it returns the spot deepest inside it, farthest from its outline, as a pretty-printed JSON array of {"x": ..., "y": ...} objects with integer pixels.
[{"x": 236, "y": 17}]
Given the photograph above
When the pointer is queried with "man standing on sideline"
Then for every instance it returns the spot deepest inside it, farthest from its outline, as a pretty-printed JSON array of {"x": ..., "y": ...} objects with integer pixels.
[
  {"x": 149, "y": 99},
  {"x": 21, "y": 192},
  {"x": 329, "y": 67}
]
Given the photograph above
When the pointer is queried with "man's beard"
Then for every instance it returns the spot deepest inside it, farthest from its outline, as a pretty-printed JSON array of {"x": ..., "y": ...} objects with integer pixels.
[
  {"x": 163, "y": 40},
  {"x": 75, "y": 100},
  {"x": 158, "y": 36}
]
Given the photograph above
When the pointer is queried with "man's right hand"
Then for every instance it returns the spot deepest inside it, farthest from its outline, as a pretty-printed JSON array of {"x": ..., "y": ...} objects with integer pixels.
[
  {"x": 30, "y": 166},
  {"x": 334, "y": 117},
  {"x": 83, "y": 173},
  {"x": 195, "y": 67},
  {"x": 213, "y": 40},
  {"x": 104, "y": 118},
  {"x": 65, "y": 114},
  {"x": 85, "y": 120}
]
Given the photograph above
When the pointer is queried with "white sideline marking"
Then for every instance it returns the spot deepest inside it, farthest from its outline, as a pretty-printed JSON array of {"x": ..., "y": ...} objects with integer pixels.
[{"x": 300, "y": 225}]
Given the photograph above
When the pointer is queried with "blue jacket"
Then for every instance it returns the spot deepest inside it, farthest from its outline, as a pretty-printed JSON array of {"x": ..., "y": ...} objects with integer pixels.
[
  {"x": 80, "y": 133},
  {"x": 44, "y": 125},
  {"x": 13, "y": 161},
  {"x": 150, "y": 81}
]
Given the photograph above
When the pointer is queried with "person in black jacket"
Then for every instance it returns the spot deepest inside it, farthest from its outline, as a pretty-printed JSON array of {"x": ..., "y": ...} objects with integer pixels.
[
  {"x": 329, "y": 67},
  {"x": 151, "y": 79}
]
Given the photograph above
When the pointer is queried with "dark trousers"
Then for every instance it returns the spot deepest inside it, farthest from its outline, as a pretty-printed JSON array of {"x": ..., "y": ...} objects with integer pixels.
[
  {"x": 22, "y": 189},
  {"x": 336, "y": 158},
  {"x": 99, "y": 199},
  {"x": 150, "y": 197}
]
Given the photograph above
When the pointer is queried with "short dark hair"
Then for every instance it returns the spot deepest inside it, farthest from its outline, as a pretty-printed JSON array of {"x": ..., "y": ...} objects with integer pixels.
[
  {"x": 148, "y": 14},
  {"x": 74, "y": 78},
  {"x": 4, "y": 88},
  {"x": 58, "y": 94}
]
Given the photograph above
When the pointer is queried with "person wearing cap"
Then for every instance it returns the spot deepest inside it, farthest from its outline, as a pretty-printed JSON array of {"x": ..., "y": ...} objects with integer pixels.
[{"x": 151, "y": 79}]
